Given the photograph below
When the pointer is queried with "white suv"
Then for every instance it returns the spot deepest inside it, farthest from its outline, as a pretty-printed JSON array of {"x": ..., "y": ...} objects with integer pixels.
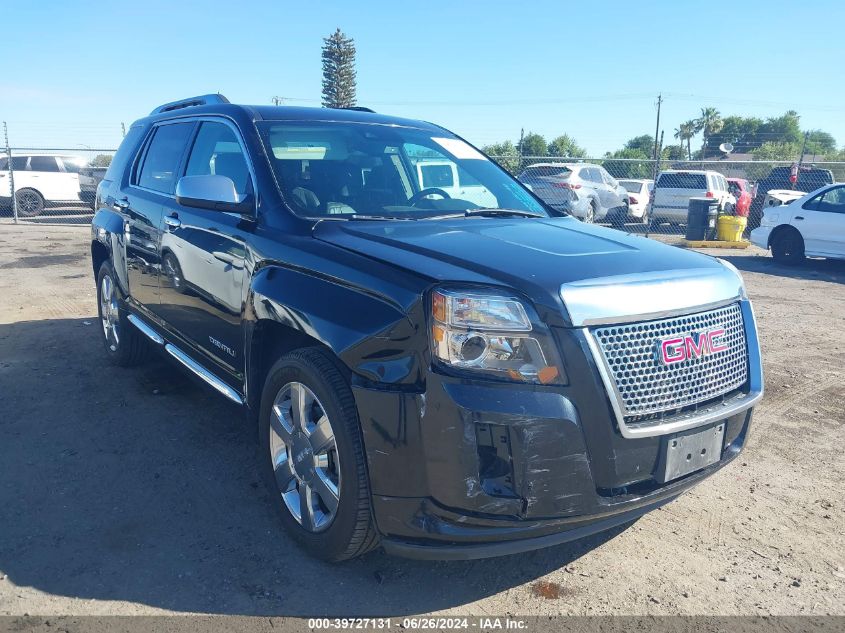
[
  {"x": 674, "y": 188},
  {"x": 39, "y": 179}
]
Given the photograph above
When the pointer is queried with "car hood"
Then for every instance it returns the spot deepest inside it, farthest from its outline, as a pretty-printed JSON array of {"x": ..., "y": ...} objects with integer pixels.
[{"x": 534, "y": 257}]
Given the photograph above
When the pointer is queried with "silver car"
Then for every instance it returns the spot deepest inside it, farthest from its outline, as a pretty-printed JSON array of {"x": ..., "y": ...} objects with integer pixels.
[{"x": 585, "y": 190}]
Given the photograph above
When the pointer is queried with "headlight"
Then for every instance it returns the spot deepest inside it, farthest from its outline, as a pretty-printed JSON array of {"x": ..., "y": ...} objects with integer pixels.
[{"x": 489, "y": 334}]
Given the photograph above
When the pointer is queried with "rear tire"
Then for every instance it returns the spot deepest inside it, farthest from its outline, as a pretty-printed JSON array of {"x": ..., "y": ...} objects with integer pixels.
[
  {"x": 30, "y": 203},
  {"x": 333, "y": 523},
  {"x": 125, "y": 345},
  {"x": 788, "y": 247}
]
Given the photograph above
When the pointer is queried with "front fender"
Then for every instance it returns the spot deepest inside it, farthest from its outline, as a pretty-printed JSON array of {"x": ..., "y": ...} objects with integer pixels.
[{"x": 376, "y": 338}]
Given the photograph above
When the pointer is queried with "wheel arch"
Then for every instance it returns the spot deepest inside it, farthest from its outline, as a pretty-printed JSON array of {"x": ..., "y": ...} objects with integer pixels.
[{"x": 779, "y": 230}]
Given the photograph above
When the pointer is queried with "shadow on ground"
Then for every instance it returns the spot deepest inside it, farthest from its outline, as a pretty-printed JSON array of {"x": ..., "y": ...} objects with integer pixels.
[
  {"x": 831, "y": 270},
  {"x": 139, "y": 485}
]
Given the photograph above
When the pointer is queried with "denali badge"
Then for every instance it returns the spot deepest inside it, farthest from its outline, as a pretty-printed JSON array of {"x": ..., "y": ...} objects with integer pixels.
[{"x": 690, "y": 346}]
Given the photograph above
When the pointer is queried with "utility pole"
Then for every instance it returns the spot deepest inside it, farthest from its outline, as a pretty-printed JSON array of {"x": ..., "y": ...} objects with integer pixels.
[
  {"x": 123, "y": 128},
  {"x": 656, "y": 132},
  {"x": 803, "y": 148},
  {"x": 11, "y": 173},
  {"x": 519, "y": 148}
]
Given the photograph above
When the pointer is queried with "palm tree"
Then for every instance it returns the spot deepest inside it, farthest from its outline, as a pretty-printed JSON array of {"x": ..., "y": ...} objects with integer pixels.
[
  {"x": 684, "y": 132},
  {"x": 709, "y": 123}
]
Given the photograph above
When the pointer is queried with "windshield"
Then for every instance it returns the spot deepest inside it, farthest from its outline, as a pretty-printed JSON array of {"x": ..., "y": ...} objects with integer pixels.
[{"x": 340, "y": 170}]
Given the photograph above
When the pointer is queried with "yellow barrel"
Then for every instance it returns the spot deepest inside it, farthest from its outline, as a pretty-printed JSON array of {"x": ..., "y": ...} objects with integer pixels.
[{"x": 729, "y": 228}]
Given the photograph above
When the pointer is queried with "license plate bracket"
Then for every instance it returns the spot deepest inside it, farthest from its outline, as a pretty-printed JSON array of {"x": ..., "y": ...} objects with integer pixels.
[{"x": 685, "y": 453}]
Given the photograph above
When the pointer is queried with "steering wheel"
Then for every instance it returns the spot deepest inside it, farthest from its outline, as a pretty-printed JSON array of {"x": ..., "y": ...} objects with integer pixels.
[{"x": 422, "y": 193}]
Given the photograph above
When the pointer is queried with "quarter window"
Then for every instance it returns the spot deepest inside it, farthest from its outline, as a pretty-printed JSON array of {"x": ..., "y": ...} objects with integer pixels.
[
  {"x": 830, "y": 201},
  {"x": 217, "y": 152},
  {"x": 161, "y": 163}
]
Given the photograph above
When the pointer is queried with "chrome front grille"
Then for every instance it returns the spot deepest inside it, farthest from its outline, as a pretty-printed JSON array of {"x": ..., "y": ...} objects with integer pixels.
[{"x": 645, "y": 386}]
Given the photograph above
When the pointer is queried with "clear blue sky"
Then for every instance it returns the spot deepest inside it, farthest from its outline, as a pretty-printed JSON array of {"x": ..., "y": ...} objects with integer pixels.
[{"x": 73, "y": 71}]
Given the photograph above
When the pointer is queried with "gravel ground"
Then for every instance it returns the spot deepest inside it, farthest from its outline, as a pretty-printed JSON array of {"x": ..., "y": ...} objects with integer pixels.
[{"x": 135, "y": 491}]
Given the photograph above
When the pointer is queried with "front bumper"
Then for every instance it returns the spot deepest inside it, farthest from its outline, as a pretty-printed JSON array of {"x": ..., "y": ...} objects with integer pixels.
[{"x": 471, "y": 469}]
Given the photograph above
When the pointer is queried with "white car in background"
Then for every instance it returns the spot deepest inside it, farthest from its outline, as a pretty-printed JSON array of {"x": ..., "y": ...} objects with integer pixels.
[
  {"x": 39, "y": 179},
  {"x": 446, "y": 175},
  {"x": 674, "y": 188},
  {"x": 639, "y": 197},
  {"x": 813, "y": 225}
]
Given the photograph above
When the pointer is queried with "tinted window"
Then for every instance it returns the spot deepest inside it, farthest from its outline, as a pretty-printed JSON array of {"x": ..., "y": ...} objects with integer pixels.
[
  {"x": 72, "y": 165},
  {"x": 631, "y": 186},
  {"x": 682, "y": 181},
  {"x": 43, "y": 163},
  {"x": 436, "y": 176},
  {"x": 163, "y": 157},
  {"x": 216, "y": 152},
  {"x": 831, "y": 201},
  {"x": 533, "y": 173},
  {"x": 129, "y": 144}
]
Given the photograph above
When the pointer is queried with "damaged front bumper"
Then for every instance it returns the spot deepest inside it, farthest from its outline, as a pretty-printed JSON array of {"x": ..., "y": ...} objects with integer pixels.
[{"x": 473, "y": 469}]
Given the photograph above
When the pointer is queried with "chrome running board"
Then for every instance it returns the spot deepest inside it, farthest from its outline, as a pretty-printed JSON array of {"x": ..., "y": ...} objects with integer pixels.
[{"x": 203, "y": 374}]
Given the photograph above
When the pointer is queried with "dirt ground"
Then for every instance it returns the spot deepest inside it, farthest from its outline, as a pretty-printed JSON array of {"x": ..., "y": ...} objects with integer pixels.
[{"x": 135, "y": 491}]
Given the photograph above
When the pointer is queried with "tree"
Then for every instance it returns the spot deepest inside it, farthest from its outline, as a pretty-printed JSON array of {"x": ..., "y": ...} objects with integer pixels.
[
  {"x": 674, "y": 152},
  {"x": 819, "y": 142},
  {"x": 504, "y": 153},
  {"x": 339, "y": 83},
  {"x": 565, "y": 146},
  {"x": 533, "y": 145},
  {"x": 684, "y": 132},
  {"x": 777, "y": 151},
  {"x": 782, "y": 129},
  {"x": 101, "y": 160},
  {"x": 636, "y": 163},
  {"x": 708, "y": 123},
  {"x": 644, "y": 143}
]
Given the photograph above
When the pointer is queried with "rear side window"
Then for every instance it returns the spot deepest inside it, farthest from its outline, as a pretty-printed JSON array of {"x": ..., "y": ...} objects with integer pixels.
[
  {"x": 831, "y": 201},
  {"x": 436, "y": 176},
  {"x": 543, "y": 170},
  {"x": 43, "y": 163},
  {"x": 18, "y": 163},
  {"x": 127, "y": 147},
  {"x": 217, "y": 152},
  {"x": 164, "y": 155},
  {"x": 682, "y": 181}
]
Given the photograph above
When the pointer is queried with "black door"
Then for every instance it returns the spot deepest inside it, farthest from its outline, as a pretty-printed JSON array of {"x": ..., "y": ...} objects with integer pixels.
[
  {"x": 203, "y": 253},
  {"x": 151, "y": 185}
]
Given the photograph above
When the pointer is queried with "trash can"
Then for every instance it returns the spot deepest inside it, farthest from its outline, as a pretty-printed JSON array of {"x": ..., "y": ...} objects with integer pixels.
[
  {"x": 701, "y": 219},
  {"x": 730, "y": 228}
]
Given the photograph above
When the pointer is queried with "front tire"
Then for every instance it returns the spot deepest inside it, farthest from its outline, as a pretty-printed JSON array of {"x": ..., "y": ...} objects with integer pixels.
[
  {"x": 125, "y": 345},
  {"x": 788, "y": 247},
  {"x": 312, "y": 456}
]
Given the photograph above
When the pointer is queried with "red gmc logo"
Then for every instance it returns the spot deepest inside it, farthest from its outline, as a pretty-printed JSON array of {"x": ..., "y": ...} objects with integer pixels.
[{"x": 691, "y": 346}]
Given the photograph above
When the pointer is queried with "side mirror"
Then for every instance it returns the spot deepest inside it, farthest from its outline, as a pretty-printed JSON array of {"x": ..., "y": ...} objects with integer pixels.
[{"x": 212, "y": 192}]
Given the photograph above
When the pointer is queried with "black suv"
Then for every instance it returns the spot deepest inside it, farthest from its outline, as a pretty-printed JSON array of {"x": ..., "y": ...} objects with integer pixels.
[{"x": 448, "y": 370}]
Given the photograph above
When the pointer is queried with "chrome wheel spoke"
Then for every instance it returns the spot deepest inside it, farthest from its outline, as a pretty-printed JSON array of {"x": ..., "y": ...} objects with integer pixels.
[
  {"x": 322, "y": 435},
  {"x": 299, "y": 405},
  {"x": 326, "y": 490},
  {"x": 283, "y": 471},
  {"x": 306, "y": 507},
  {"x": 279, "y": 425}
]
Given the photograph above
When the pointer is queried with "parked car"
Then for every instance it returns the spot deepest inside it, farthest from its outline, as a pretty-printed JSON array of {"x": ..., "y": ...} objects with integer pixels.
[
  {"x": 584, "y": 190},
  {"x": 89, "y": 178},
  {"x": 674, "y": 188},
  {"x": 446, "y": 379},
  {"x": 741, "y": 190},
  {"x": 809, "y": 179},
  {"x": 639, "y": 198},
  {"x": 39, "y": 179},
  {"x": 813, "y": 225},
  {"x": 455, "y": 181}
]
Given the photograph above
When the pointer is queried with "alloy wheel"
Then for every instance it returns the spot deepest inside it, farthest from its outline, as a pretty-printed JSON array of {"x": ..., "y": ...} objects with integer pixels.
[
  {"x": 29, "y": 203},
  {"x": 110, "y": 313},
  {"x": 305, "y": 457}
]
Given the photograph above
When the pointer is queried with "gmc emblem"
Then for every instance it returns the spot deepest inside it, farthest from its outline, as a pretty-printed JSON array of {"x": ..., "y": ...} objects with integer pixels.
[{"x": 691, "y": 346}]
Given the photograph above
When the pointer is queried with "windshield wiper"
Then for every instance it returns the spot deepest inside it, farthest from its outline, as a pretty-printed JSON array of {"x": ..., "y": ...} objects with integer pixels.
[
  {"x": 359, "y": 216},
  {"x": 485, "y": 213}
]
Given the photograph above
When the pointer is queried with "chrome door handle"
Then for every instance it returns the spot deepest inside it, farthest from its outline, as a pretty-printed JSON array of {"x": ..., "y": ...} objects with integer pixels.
[
  {"x": 172, "y": 222},
  {"x": 122, "y": 204}
]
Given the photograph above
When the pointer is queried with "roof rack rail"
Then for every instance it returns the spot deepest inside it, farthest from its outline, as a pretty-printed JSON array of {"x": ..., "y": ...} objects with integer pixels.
[
  {"x": 358, "y": 109},
  {"x": 190, "y": 102}
]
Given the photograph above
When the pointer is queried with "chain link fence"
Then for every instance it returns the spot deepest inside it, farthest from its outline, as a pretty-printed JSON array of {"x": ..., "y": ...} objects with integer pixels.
[
  {"x": 621, "y": 193},
  {"x": 57, "y": 185}
]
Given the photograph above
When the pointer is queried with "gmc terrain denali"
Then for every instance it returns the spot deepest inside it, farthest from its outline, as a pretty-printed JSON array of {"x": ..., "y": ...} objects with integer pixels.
[{"x": 447, "y": 376}]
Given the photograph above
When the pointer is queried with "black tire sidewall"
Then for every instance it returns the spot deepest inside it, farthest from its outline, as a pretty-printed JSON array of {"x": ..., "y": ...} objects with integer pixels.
[
  {"x": 331, "y": 543},
  {"x": 778, "y": 248}
]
